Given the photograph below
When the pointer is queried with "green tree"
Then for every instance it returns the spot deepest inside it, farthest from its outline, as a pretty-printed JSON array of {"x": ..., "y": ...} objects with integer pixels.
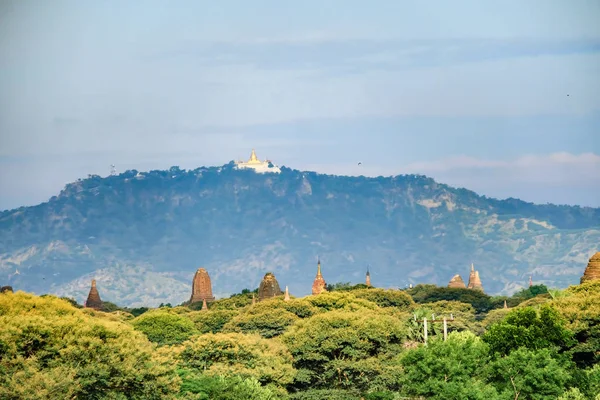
[
  {"x": 447, "y": 369},
  {"x": 212, "y": 321},
  {"x": 346, "y": 350},
  {"x": 51, "y": 350},
  {"x": 526, "y": 327},
  {"x": 529, "y": 374},
  {"x": 268, "y": 323},
  {"x": 386, "y": 298},
  {"x": 165, "y": 327}
]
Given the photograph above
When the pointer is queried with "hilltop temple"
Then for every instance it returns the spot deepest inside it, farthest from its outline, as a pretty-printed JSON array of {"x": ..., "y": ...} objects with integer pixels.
[
  {"x": 269, "y": 287},
  {"x": 592, "y": 271},
  {"x": 93, "y": 299},
  {"x": 257, "y": 165},
  {"x": 201, "y": 287},
  {"x": 319, "y": 284}
]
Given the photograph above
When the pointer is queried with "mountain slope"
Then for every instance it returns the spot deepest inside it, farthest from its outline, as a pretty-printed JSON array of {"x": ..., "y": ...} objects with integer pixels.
[{"x": 143, "y": 235}]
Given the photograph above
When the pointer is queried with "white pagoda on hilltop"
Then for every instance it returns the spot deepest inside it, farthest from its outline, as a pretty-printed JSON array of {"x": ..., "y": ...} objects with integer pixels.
[{"x": 254, "y": 163}]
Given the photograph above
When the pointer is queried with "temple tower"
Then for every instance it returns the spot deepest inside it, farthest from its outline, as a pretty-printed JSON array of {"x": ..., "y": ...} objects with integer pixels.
[
  {"x": 269, "y": 287},
  {"x": 530, "y": 280},
  {"x": 368, "y": 278},
  {"x": 457, "y": 282},
  {"x": 471, "y": 277},
  {"x": 93, "y": 299},
  {"x": 287, "y": 294},
  {"x": 319, "y": 284},
  {"x": 201, "y": 287},
  {"x": 474, "y": 280},
  {"x": 592, "y": 271},
  {"x": 505, "y": 305}
]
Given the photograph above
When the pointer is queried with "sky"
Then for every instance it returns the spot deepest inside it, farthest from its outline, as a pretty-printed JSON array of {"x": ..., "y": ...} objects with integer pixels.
[{"x": 502, "y": 98}]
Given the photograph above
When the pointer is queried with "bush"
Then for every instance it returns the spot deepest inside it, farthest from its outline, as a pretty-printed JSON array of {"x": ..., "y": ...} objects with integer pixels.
[{"x": 165, "y": 327}]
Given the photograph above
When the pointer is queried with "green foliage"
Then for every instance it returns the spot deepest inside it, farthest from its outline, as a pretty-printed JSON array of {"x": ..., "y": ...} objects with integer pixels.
[
  {"x": 529, "y": 374},
  {"x": 234, "y": 302},
  {"x": 268, "y": 323},
  {"x": 49, "y": 349},
  {"x": 445, "y": 370},
  {"x": 206, "y": 387},
  {"x": 346, "y": 350},
  {"x": 386, "y": 298},
  {"x": 339, "y": 300},
  {"x": 346, "y": 286},
  {"x": 531, "y": 292},
  {"x": 211, "y": 321},
  {"x": 526, "y": 327},
  {"x": 430, "y": 293},
  {"x": 163, "y": 327},
  {"x": 329, "y": 394},
  {"x": 230, "y": 354}
]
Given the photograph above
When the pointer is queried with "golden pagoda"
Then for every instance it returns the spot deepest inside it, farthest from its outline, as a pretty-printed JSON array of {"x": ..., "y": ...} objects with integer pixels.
[
  {"x": 457, "y": 282},
  {"x": 592, "y": 271},
  {"x": 319, "y": 285}
]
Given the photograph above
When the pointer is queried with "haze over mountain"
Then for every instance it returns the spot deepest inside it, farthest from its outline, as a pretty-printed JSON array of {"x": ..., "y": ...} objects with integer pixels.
[{"x": 142, "y": 235}]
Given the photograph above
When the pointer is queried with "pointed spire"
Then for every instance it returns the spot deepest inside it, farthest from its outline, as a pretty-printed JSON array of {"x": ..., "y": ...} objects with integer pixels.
[
  {"x": 287, "y": 294},
  {"x": 204, "y": 306},
  {"x": 319, "y": 284},
  {"x": 368, "y": 277},
  {"x": 253, "y": 299},
  {"x": 472, "y": 267},
  {"x": 93, "y": 299},
  {"x": 505, "y": 305},
  {"x": 530, "y": 280},
  {"x": 318, "y": 267}
]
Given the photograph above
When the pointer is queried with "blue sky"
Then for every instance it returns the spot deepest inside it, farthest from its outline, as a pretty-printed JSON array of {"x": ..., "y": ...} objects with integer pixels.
[{"x": 471, "y": 93}]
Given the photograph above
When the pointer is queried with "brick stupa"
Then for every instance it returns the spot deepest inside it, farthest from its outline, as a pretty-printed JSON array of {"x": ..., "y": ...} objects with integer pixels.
[
  {"x": 201, "y": 287},
  {"x": 269, "y": 287},
  {"x": 592, "y": 271},
  {"x": 93, "y": 299},
  {"x": 319, "y": 284},
  {"x": 474, "y": 280},
  {"x": 457, "y": 282}
]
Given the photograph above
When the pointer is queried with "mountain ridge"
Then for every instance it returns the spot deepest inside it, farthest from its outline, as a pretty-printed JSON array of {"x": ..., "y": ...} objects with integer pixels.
[{"x": 145, "y": 234}]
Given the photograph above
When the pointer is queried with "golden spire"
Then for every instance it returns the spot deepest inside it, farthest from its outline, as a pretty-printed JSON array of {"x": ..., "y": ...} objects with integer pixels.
[
  {"x": 472, "y": 267},
  {"x": 253, "y": 156},
  {"x": 93, "y": 283}
]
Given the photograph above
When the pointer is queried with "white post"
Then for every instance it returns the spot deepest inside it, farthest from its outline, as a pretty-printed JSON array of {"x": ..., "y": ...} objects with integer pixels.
[
  {"x": 425, "y": 329},
  {"x": 445, "y": 329}
]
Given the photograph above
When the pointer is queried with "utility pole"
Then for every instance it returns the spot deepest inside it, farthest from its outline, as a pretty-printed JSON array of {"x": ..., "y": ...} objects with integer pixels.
[{"x": 444, "y": 320}]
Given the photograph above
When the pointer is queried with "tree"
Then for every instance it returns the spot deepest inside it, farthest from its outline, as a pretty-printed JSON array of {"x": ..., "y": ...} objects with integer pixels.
[
  {"x": 526, "y": 327},
  {"x": 236, "y": 354},
  {"x": 386, "y": 298},
  {"x": 268, "y": 323},
  {"x": 447, "y": 369},
  {"x": 49, "y": 349},
  {"x": 211, "y": 321},
  {"x": 165, "y": 327},
  {"x": 346, "y": 350}
]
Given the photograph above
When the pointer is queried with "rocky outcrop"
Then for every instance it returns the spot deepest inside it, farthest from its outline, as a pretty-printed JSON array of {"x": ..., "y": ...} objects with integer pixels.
[{"x": 592, "y": 271}]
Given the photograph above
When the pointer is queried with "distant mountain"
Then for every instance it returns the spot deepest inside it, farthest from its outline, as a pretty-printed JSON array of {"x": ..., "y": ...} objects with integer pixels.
[{"x": 143, "y": 235}]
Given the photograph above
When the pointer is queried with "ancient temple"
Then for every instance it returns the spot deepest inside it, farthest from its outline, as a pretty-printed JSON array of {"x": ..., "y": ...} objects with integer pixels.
[
  {"x": 457, "y": 282},
  {"x": 269, "y": 287},
  {"x": 93, "y": 299},
  {"x": 201, "y": 287},
  {"x": 257, "y": 165},
  {"x": 474, "y": 280},
  {"x": 319, "y": 284},
  {"x": 592, "y": 271},
  {"x": 368, "y": 278}
]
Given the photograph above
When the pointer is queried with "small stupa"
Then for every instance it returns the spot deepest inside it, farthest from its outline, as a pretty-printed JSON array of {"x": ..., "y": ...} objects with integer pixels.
[
  {"x": 319, "y": 285},
  {"x": 368, "y": 278},
  {"x": 287, "y": 294},
  {"x": 457, "y": 282},
  {"x": 204, "y": 305},
  {"x": 201, "y": 287},
  {"x": 592, "y": 271},
  {"x": 505, "y": 305},
  {"x": 93, "y": 299},
  {"x": 530, "y": 280},
  {"x": 269, "y": 287}
]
